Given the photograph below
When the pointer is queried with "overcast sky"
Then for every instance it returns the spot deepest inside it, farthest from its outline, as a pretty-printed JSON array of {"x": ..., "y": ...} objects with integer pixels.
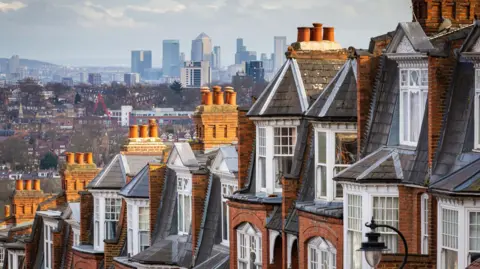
[{"x": 103, "y": 32}]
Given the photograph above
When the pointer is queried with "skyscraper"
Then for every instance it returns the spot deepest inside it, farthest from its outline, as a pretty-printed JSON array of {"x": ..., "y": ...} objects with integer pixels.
[
  {"x": 279, "y": 49},
  {"x": 255, "y": 70},
  {"x": 216, "y": 57},
  {"x": 95, "y": 79},
  {"x": 171, "y": 58},
  {"x": 141, "y": 60},
  {"x": 13, "y": 64},
  {"x": 242, "y": 55},
  {"x": 195, "y": 74},
  {"x": 201, "y": 48},
  {"x": 182, "y": 58}
]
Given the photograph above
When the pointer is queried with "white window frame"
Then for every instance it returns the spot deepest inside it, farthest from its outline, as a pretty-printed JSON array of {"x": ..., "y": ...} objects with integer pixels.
[
  {"x": 249, "y": 240},
  {"x": 134, "y": 207},
  {"x": 48, "y": 228},
  {"x": 184, "y": 191},
  {"x": 143, "y": 228},
  {"x": 228, "y": 188},
  {"x": 321, "y": 254},
  {"x": 2, "y": 256},
  {"x": 330, "y": 165},
  {"x": 469, "y": 235},
  {"x": 442, "y": 236},
  {"x": 76, "y": 236},
  {"x": 406, "y": 87},
  {"x": 392, "y": 241},
  {"x": 424, "y": 223},
  {"x": 477, "y": 110},
  {"x": 268, "y": 175},
  {"x": 99, "y": 213},
  {"x": 351, "y": 221},
  {"x": 13, "y": 256}
]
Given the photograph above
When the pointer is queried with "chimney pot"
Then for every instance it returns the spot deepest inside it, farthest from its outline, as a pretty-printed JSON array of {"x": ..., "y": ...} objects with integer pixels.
[
  {"x": 329, "y": 34},
  {"x": 218, "y": 98},
  {"x": 80, "y": 158},
  {"x": 89, "y": 158},
  {"x": 28, "y": 185},
  {"x": 133, "y": 131},
  {"x": 228, "y": 93},
  {"x": 317, "y": 32},
  {"x": 19, "y": 185},
  {"x": 143, "y": 131},
  {"x": 153, "y": 130},
  {"x": 36, "y": 184},
  {"x": 7, "y": 210},
  {"x": 70, "y": 158},
  {"x": 303, "y": 34},
  {"x": 204, "y": 91},
  {"x": 209, "y": 99}
]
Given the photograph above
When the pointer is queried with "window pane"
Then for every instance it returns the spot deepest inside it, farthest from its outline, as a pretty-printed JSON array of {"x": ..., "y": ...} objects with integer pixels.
[
  {"x": 424, "y": 73},
  {"x": 180, "y": 213},
  {"x": 322, "y": 147},
  {"x": 474, "y": 232},
  {"x": 282, "y": 166},
  {"x": 262, "y": 166},
  {"x": 321, "y": 181},
  {"x": 224, "y": 221},
  {"x": 188, "y": 213},
  {"x": 345, "y": 148},
  {"x": 385, "y": 211},
  {"x": 403, "y": 78},
  {"x": 405, "y": 115},
  {"x": 414, "y": 78},
  {"x": 415, "y": 120},
  {"x": 450, "y": 259}
]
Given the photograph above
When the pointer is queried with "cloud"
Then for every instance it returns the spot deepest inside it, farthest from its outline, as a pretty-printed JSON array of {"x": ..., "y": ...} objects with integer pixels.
[
  {"x": 158, "y": 8},
  {"x": 5, "y": 7}
]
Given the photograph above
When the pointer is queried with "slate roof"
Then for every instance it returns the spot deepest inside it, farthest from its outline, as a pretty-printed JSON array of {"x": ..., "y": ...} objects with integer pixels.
[
  {"x": 414, "y": 33},
  {"x": 230, "y": 157},
  {"x": 339, "y": 99},
  {"x": 138, "y": 187},
  {"x": 186, "y": 154},
  {"x": 472, "y": 38},
  {"x": 274, "y": 221},
  {"x": 463, "y": 180},
  {"x": 114, "y": 175}
]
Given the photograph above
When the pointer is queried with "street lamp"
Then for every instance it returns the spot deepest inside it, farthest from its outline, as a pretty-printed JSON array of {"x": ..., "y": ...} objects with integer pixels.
[{"x": 373, "y": 248}]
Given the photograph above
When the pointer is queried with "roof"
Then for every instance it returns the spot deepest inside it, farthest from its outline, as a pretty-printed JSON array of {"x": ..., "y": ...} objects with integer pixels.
[
  {"x": 114, "y": 175},
  {"x": 138, "y": 187},
  {"x": 274, "y": 220},
  {"x": 185, "y": 153},
  {"x": 226, "y": 160},
  {"x": 323, "y": 208},
  {"x": 202, "y": 35},
  {"x": 339, "y": 99},
  {"x": 472, "y": 38},
  {"x": 414, "y": 34},
  {"x": 465, "y": 179}
]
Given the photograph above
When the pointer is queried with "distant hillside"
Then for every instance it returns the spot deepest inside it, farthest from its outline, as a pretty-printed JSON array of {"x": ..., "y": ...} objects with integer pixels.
[{"x": 28, "y": 63}]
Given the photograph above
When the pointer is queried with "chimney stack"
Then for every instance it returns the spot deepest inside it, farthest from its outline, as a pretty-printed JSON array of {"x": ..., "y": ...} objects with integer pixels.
[
  {"x": 89, "y": 158},
  {"x": 28, "y": 185},
  {"x": 329, "y": 34},
  {"x": 19, "y": 185},
  {"x": 204, "y": 91},
  {"x": 143, "y": 131},
  {"x": 70, "y": 158},
  {"x": 36, "y": 185},
  {"x": 80, "y": 158},
  {"x": 218, "y": 95},
  {"x": 317, "y": 32},
  {"x": 303, "y": 34},
  {"x": 153, "y": 131},
  {"x": 133, "y": 131},
  {"x": 7, "y": 210}
]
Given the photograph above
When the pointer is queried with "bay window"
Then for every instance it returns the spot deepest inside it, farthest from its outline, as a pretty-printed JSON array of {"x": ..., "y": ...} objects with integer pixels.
[
  {"x": 143, "y": 228},
  {"x": 15, "y": 259},
  {"x": 107, "y": 207},
  {"x": 413, "y": 100},
  {"x": 473, "y": 236},
  {"x": 275, "y": 148},
  {"x": 385, "y": 211},
  {"x": 138, "y": 225},
  {"x": 321, "y": 254},
  {"x": 477, "y": 110},
  {"x": 48, "y": 241},
  {"x": 184, "y": 203},
  {"x": 227, "y": 190},
  {"x": 112, "y": 215},
  {"x": 449, "y": 239},
  {"x": 354, "y": 231},
  {"x": 424, "y": 220},
  {"x": 249, "y": 247},
  {"x": 336, "y": 149}
]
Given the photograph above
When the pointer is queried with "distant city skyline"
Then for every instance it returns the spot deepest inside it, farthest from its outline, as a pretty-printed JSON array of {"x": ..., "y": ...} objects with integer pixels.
[{"x": 102, "y": 33}]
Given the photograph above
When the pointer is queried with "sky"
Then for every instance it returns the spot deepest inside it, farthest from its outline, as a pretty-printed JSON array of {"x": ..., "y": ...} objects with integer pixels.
[{"x": 103, "y": 32}]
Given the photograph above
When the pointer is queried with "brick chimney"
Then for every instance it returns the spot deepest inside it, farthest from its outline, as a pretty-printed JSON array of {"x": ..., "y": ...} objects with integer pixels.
[
  {"x": 199, "y": 192},
  {"x": 25, "y": 200},
  {"x": 216, "y": 119},
  {"x": 246, "y": 142},
  {"x": 76, "y": 175},
  {"x": 144, "y": 139},
  {"x": 316, "y": 38}
]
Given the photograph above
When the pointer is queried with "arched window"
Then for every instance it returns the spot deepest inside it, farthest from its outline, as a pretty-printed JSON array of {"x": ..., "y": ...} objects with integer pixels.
[
  {"x": 321, "y": 254},
  {"x": 249, "y": 247}
]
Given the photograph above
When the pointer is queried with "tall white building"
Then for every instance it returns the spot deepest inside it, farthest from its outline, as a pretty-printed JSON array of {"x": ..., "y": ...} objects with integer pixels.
[
  {"x": 279, "y": 49},
  {"x": 201, "y": 48},
  {"x": 195, "y": 74}
]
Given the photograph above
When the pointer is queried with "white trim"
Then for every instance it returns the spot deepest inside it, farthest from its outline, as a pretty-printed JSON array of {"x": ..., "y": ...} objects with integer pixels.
[
  {"x": 228, "y": 188},
  {"x": 476, "y": 116},
  {"x": 183, "y": 192},
  {"x": 249, "y": 232},
  {"x": 13, "y": 258},
  {"x": 275, "y": 87},
  {"x": 133, "y": 223},
  {"x": 48, "y": 228},
  {"x": 424, "y": 223},
  {"x": 277, "y": 122},
  {"x": 272, "y": 237},
  {"x": 324, "y": 252},
  {"x": 99, "y": 196},
  {"x": 290, "y": 241},
  {"x": 76, "y": 236},
  {"x": 302, "y": 93}
]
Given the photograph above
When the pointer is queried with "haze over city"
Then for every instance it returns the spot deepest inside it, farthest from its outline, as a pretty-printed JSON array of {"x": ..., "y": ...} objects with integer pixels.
[{"x": 103, "y": 32}]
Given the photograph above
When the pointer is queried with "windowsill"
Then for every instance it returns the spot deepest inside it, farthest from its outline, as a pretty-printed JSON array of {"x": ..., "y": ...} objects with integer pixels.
[{"x": 87, "y": 249}]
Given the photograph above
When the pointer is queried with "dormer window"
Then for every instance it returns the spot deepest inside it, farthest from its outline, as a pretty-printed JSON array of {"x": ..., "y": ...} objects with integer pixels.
[
  {"x": 138, "y": 224},
  {"x": 477, "y": 109},
  {"x": 275, "y": 148},
  {"x": 184, "y": 200},
  {"x": 413, "y": 100},
  {"x": 48, "y": 241},
  {"x": 107, "y": 207}
]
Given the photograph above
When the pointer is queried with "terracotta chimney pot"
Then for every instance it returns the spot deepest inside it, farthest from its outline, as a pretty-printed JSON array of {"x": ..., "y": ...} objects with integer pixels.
[
  {"x": 28, "y": 185},
  {"x": 7, "y": 210},
  {"x": 303, "y": 34},
  {"x": 218, "y": 98},
  {"x": 133, "y": 131},
  {"x": 153, "y": 130},
  {"x": 228, "y": 92},
  {"x": 143, "y": 131},
  {"x": 233, "y": 99},
  {"x": 329, "y": 34},
  {"x": 209, "y": 99},
  {"x": 36, "y": 185},
  {"x": 89, "y": 158},
  {"x": 317, "y": 32},
  {"x": 204, "y": 91},
  {"x": 80, "y": 158},
  {"x": 19, "y": 185},
  {"x": 70, "y": 158}
]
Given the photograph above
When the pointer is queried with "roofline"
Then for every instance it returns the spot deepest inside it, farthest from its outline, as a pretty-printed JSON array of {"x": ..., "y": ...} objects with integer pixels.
[{"x": 453, "y": 193}]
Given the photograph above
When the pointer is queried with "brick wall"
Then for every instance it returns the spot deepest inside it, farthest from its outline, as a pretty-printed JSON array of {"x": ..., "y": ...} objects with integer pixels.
[
  {"x": 57, "y": 248},
  {"x": 310, "y": 226},
  {"x": 156, "y": 180},
  {"x": 121, "y": 266},
  {"x": 83, "y": 260},
  {"x": 113, "y": 247},
  {"x": 75, "y": 177},
  {"x": 69, "y": 254},
  {"x": 415, "y": 261},
  {"x": 86, "y": 215},
  {"x": 199, "y": 191},
  {"x": 246, "y": 140},
  {"x": 366, "y": 70},
  {"x": 256, "y": 215}
]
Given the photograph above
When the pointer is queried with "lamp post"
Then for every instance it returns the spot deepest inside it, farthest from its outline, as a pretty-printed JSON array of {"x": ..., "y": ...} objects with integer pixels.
[{"x": 373, "y": 248}]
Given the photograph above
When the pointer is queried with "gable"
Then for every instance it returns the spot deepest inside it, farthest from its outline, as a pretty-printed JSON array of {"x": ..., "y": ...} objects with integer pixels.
[
  {"x": 405, "y": 46},
  {"x": 409, "y": 38}
]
